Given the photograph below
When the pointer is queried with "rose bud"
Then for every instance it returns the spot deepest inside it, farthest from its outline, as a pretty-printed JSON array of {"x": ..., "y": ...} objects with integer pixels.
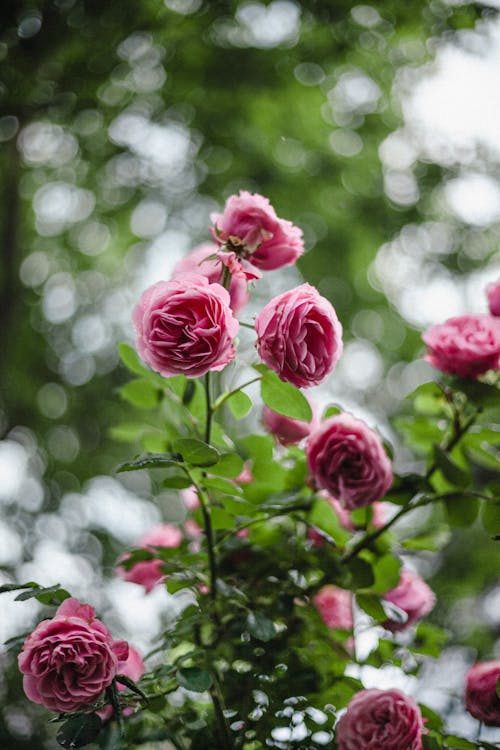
[
  {"x": 381, "y": 720},
  {"x": 69, "y": 661},
  {"x": 185, "y": 326},
  {"x": 299, "y": 336},
  {"x": 467, "y": 346},
  {"x": 346, "y": 458}
]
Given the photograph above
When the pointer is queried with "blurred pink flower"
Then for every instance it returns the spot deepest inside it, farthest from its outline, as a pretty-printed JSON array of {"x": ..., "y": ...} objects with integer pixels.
[
  {"x": 467, "y": 346},
  {"x": 413, "y": 596},
  {"x": 149, "y": 573},
  {"x": 493, "y": 294},
  {"x": 481, "y": 698}
]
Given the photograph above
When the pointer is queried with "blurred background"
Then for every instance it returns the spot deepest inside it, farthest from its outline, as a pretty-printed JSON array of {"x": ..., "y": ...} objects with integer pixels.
[{"x": 376, "y": 128}]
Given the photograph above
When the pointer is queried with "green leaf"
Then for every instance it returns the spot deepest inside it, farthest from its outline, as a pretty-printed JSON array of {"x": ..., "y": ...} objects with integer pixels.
[
  {"x": 124, "y": 680},
  {"x": 51, "y": 595},
  {"x": 428, "y": 399},
  {"x": 387, "y": 573},
  {"x": 16, "y": 586},
  {"x": 196, "y": 452},
  {"x": 361, "y": 574},
  {"x": 193, "y": 678},
  {"x": 129, "y": 357},
  {"x": 433, "y": 540},
  {"x": 240, "y": 404},
  {"x": 150, "y": 461},
  {"x": 261, "y": 627},
  {"x": 324, "y": 518},
  {"x": 490, "y": 517},
  {"x": 189, "y": 391},
  {"x": 283, "y": 398},
  {"x": 141, "y": 393},
  {"x": 176, "y": 482},
  {"x": 431, "y": 742},
  {"x": 79, "y": 730},
  {"x": 459, "y": 743},
  {"x": 450, "y": 470},
  {"x": 230, "y": 466},
  {"x": 331, "y": 411},
  {"x": 461, "y": 511},
  {"x": 372, "y": 606},
  {"x": 220, "y": 485}
]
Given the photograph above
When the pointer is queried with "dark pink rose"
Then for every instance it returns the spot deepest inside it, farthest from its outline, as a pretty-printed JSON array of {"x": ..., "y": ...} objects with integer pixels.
[
  {"x": 481, "y": 699},
  {"x": 347, "y": 459},
  {"x": 286, "y": 430},
  {"x": 195, "y": 262},
  {"x": 249, "y": 226},
  {"x": 493, "y": 294},
  {"x": 68, "y": 661},
  {"x": 132, "y": 667},
  {"x": 466, "y": 346},
  {"x": 335, "y": 607},
  {"x": 413, "y": 596},
  {"x": 381, "y": 720},
  {"x": 299, "y": 336},
  {"x": 149, "y": 573},
  {"x": 185, "y": 326}
]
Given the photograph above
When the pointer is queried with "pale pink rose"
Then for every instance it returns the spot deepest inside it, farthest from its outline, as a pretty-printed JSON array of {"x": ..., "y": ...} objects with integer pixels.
[
  {"x": 335, "y": 607},
  {"x": 381, "y": 720},
  {"x": 190, "y": 498},
  {"x": 493, "y": 294},
  {"x": 68, "y": 661},
  {"x": 195, "y": 262},
  {"x": 346, "y": 458},
  {"x": 245, "y": 476},
  {"x": 149, "y": 573},
  {"x": 481, "y": 699},
  {"x": 286, "y": 430},
  {"x": 132, "y": 667},
  {"x": 185, "y": 326},
  {"x": 413, "y": 596},
  {"x": 299, "y": 336},
  {"x": 466, "y": 346},
  {"x": 249, "y": 226}
]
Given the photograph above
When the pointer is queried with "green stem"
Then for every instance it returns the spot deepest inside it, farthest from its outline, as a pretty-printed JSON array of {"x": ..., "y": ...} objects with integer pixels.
[
  {"x": 247, "y": 325},
  {"x": 208, "y": 424},
  {"x": 458, "y": 433},
  {"x": 226, "y": 277},
  {"x": 225, "y": 396},
  {"x": 218, "y": 704}
]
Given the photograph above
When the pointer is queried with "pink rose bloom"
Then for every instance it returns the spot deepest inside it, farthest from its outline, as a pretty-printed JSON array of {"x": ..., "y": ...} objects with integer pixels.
[
  {"x": 466, "y": 346},
  {"x": 381, "y": 720},
  {"x": 68, "y": 661},
  {"x": 299, "y": 336},
  {"x": 149, "y": 573},
  {"x": 249, "y": 226},
  {"x": 286, "y": 430},
  {"x": 335, "y": 607},
  {"x": 132, "y": 667},
  {"x": 195, "y": 262},
  {"x": 190, "y": 498},
  {"x": 185, "y": 326},
  {"x": 481, "y": 699},
  {"x": 347, "y": 459},
  {"x": 493, "y": 294},
  {"x": 413, "y": 596}
]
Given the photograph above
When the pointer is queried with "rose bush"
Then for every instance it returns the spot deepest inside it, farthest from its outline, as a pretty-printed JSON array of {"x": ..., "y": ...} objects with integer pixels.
[
  {"x": 249, "y": 226},
  {"x": 481, "y": 697},
  {"x": 467, "y": 346},
  {"x": 185, "y": 326},
  {"x": 381, "y": 720},
  {"x": 68, "y": 661},
  {"x": 346, "y": 458},
  {"x": 149, "y": 573},
  {"x": 299, "y": 336}
]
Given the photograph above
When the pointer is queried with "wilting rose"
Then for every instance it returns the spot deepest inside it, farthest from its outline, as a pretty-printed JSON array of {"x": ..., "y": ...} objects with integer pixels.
[
  {"x": 466, "y": 346},
  {"x": 132, "y": 667},
  {"x": 481, "y": 699},
  {"x": 149, "y": 573},
  {"x": 195, "y": 262},
  {"x": 68, "y": 661},
  {"x": 299, "y": 336},
  {"x": 347, "y": 459},
  {"x": 493, "y": 294},
  {"x": 413, "y": 596},
  {"x": 335, "y": 607},
  {"x": 249, "y": 226},
  {"x": 381, "y": 720},
  {"x": 185, "y": 326}
]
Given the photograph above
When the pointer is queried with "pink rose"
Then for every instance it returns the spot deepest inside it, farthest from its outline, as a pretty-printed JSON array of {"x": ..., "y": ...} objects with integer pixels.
[
  {"x": 185, "y": 326},
  {"x": 70, "y": 660},
  {"x": 149, "y": 573},
  {"x": 249, "y": 227},
  {"x": 195, "y": 262},
  {"x": 286, "y": 430},
  {"x": 299, "y": 336},
  {"x": 335, "y": 607},
  {"x": 413, "y": 596},
  {"x": 190, "y": 498},
  {"x": 132, "y": 667},
  {"x": 481, "y": 699},
  {"x": 348, "y": 460},
  {"x": 381, "y": 720},
  {"x": 466, "y": 346},
  {"x": 493, "y": 294}
]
